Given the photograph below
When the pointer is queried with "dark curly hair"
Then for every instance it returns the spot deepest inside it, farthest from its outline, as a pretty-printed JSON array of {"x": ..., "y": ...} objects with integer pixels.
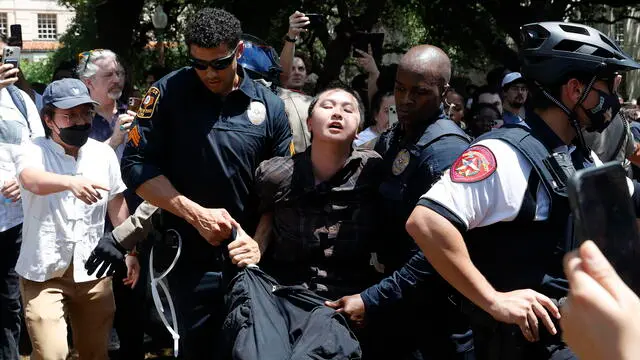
[{"x": 211, "y": 27}]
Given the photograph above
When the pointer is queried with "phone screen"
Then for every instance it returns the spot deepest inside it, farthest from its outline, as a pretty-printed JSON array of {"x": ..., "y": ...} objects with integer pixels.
[
  {"x": 603, "y": 212},
  {"x": 315, "y": 20},
  {"x": 16, "y": 35},
  {"x": 360, "y": 42}
]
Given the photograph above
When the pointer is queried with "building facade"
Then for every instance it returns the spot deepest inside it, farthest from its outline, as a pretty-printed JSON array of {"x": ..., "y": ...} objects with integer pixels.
[
  {"x": 626, "y": 33},
  {"x": 42, "y": 21}
]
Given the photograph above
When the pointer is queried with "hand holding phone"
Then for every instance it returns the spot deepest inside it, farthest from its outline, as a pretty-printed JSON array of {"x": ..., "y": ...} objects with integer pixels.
[
  {"x": 8, "y": 74},
  {"x": 297, "y": 23},
  {"x": 368, "y": 43},
  {"x": 366, "y": 61},
  {"x": 316, "y": 20}
]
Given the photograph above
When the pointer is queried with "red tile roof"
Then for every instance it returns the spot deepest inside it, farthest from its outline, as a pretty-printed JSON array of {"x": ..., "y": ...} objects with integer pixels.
[{"x": 35, "y": 45}]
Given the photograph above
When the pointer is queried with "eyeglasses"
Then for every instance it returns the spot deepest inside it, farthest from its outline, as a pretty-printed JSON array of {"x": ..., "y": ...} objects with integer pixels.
[
  {"x": 87, "y": 54},
  {"x": 217, "y": 64},
  {"x": 78, "y": 117},
  {"x": 159, "y": 282},
  {"x": 519, "y": 88}
]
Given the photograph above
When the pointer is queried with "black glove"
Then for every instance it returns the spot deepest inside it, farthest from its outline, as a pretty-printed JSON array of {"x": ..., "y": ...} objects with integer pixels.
[{"x": 108, "y": 255}]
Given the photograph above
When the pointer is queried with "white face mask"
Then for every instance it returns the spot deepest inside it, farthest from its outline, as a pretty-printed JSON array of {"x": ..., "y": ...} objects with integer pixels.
[{"x": 160, "y": 281}]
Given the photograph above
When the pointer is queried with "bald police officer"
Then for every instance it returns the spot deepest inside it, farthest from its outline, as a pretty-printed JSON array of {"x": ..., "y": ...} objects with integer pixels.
[
  {"x": 495, "y": 224},
  {"x": 415, "y": 154}
]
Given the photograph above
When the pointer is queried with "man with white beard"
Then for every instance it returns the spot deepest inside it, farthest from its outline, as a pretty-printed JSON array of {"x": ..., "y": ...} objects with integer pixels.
[{"x": 104, "y": 76}]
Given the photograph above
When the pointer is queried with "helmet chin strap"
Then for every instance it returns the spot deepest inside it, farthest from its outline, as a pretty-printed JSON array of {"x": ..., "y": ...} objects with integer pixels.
[{"x": 573, "y": 116}]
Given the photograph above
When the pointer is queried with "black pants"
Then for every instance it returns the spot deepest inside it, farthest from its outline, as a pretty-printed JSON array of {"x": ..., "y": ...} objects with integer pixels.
[
  {"x": 415, "y": 335},
  {"x": 10, "y": 307},
  {"x": 131, "y": 315},
  {"x": 199, "y": 300}
]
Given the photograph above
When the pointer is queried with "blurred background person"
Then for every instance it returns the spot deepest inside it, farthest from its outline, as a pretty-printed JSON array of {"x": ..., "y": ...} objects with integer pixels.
[
  {"x": 514, "y": 96},
  {"x": 482, "y": 118},
  {"x": 379, "y": 121},
  {"x": 454, "y": 107}
]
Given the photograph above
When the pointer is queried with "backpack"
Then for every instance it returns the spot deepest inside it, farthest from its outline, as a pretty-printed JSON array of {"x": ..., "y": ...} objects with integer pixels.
[{"x": 18, "y": 100}]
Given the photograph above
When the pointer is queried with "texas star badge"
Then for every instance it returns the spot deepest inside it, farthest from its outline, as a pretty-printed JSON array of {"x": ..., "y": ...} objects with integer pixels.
[{"x": 475, "y": 164}]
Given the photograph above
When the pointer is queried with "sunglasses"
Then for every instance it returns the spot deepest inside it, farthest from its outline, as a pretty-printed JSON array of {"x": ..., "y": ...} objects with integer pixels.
[
  {"x": 87, "y": 54},
  {"x": 217, "y": 64}
]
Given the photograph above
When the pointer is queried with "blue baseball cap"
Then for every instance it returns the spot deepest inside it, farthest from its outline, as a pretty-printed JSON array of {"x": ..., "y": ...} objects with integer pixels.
[{"x": 67, "y": 93}]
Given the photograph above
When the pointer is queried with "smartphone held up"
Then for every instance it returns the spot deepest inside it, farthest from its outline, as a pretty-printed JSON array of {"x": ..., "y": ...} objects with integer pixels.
[
  {"x": 11, "y": 52},
  {"x": 603, "y": 212},
  {"x": 363, "y": 40},
  {"x": 11, "y": 55},
  {"x": 316, "y": 20}
]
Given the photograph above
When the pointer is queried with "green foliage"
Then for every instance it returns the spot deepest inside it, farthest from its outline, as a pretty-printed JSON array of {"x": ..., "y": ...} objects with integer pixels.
[
  {"x": 81, "y": 34},
  {"x": 473, "y": 33},
  {"x": 37, "y": 71}
]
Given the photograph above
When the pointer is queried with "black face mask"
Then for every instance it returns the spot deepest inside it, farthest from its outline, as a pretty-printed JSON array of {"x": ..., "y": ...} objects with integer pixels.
[
  {"x": 602, "y": 114},
  {"x": 76, "y": 135}
]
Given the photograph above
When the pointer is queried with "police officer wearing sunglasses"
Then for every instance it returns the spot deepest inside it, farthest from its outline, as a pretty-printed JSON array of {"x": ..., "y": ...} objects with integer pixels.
[{"x": 198, "y": 137}]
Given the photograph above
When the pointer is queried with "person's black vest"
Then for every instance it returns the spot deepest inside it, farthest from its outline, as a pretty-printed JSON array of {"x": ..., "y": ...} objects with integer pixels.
[
  {"x": 525, "y": 253},
  {"x": 401, "y": 192}
]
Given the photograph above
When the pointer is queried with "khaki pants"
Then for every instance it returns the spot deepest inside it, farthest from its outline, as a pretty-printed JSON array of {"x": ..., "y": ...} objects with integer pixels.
[{"x": 89, "y": 305}]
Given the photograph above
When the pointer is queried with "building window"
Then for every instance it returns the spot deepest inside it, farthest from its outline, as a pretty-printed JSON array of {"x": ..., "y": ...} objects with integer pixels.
[
  {"x": 47, "y": 27},
  {"x": 619, "y": 31},
  {"x": 3, "y": 23}
]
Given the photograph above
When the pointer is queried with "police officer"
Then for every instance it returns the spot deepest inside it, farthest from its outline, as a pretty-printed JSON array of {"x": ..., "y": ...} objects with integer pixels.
[
  {"x": 261, "y": 63},
  {"x": 494, "y": 226},
  {"x": 415, "y": 154},
  {"x": 200, "y": 133}
]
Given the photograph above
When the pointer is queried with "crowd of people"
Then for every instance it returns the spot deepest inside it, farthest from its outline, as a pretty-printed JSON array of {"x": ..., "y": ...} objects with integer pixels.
[{"x": 401, "y": 218}]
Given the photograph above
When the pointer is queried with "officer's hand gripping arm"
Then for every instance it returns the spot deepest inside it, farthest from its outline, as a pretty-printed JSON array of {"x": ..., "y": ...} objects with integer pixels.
[{"x": 445, "y": 248}]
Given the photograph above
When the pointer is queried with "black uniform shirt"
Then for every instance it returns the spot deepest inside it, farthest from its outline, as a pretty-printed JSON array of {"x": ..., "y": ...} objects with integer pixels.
[{"x": 208, "y": 146}]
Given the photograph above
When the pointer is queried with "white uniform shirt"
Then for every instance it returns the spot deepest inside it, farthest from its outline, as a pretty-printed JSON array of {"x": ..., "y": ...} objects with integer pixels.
[
  {"x": 11, "y": 212},
  {"x": 498, "y": 197},
  {"x": 59, "y": 228}
]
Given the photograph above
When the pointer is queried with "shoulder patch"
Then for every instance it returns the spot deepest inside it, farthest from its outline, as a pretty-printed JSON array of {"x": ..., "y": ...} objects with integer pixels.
[
  {"x": 134, "y": 136},
  {"x": 149, "y": 102},
  {"x": 292, "y": 148},
  {"x": 475, "y": 164}
]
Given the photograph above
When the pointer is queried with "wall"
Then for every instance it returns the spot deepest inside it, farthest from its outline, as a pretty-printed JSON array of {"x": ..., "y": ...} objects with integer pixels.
[{"x": 25, "y": 12}]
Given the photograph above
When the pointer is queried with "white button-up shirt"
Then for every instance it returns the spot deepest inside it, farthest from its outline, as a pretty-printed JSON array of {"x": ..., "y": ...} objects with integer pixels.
[
  {"x": 59, "y": 228},
  {"x": 11, "y": 118}
]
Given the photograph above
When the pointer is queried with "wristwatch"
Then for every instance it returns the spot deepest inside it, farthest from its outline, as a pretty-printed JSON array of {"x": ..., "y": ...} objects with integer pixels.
[{"x": 291, "y": 40}]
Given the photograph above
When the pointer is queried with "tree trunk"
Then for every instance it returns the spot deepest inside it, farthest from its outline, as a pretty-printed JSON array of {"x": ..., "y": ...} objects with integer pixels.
[{"x": 117, "y": 22}]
